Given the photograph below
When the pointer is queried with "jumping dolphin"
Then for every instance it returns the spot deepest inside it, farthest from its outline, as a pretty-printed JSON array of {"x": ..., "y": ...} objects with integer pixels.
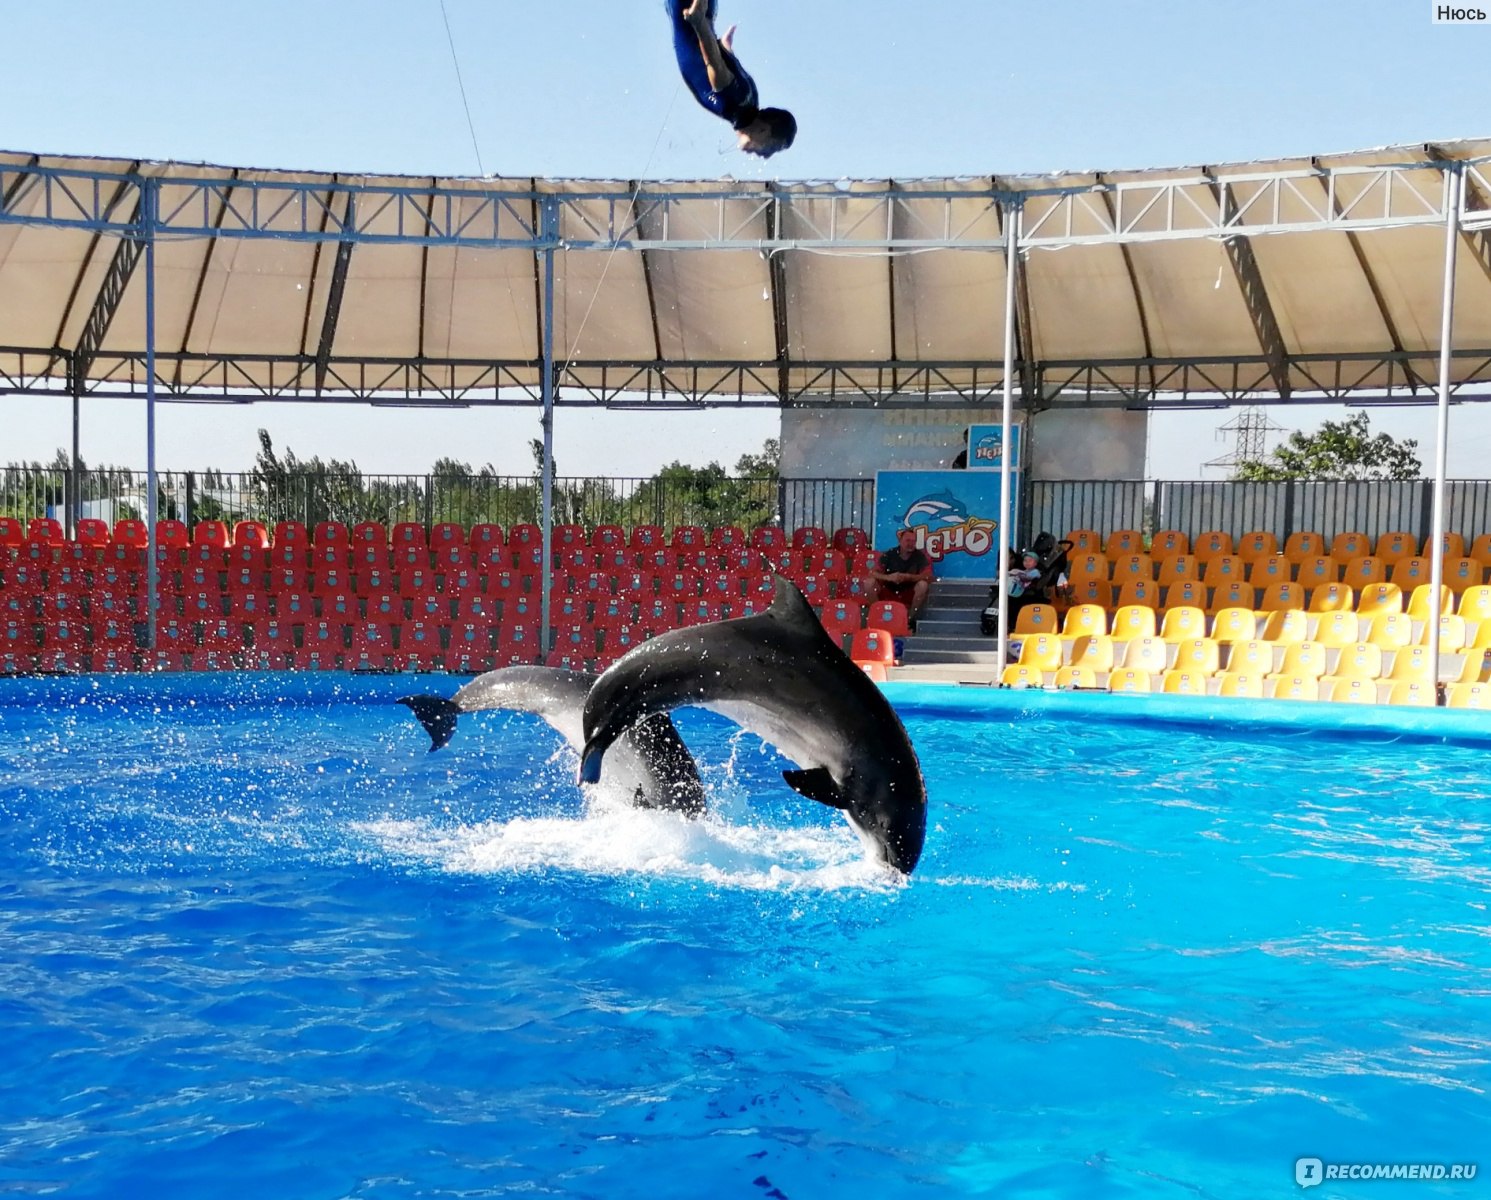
[
  {"x": 781, "y": 677},
  {"x": 655, "y": 768}
]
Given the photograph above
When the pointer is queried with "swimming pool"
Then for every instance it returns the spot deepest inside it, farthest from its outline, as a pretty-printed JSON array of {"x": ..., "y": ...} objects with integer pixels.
[{"x": 260, "y": 942}]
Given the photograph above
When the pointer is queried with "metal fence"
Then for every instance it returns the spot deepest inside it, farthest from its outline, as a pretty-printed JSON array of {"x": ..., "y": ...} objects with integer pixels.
[
  {"x": 1194, "y": 508},
  {"x": 696, "y": 498}
]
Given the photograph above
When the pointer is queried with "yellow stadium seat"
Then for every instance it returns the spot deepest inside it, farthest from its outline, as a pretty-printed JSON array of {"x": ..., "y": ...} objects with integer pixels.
[
  {"x": 1197, "y": 656},
  {"x": 1411, "y": 662},
  {"x": 1284, "y": 626},
  {"x": 1270, "y": 569},
  {"x": 1453, "y": 543},
  {"x": 1183, "y": 683},
  {"x": 1475, "y": 603},
  {"x": 1480, "y": 549},
  {"x": 1138, "y": 593},
  {"x": 1339, "y": 628},
  {"x": 1130, "y": 681},
  {"x": 1041, "y": 652},
  {"x": 1092, "y": 591},
  {"x": 1391, "y": 630},
  {"x": 1393, "y": 546},
  {"x": 1123, "y": 541},
  {"x": 1017, "y": 675},
  {"x": 1418, "y": 603},
  {"x": 1233, "y": 594},
  {"x": 1036, "y": 618},
  {"x": 1331, "y": 597},
  {"x": 1453, "y": 634},
  {"x": 1361, "y": 661},
  {"x": 1379, "y": 598},
  {"x": 1303, "y": 659},
  {"x": 1481, "y": 639},
  {"x": 1303, "y": 545},
  {"x": 1093, "y": 653},
  {"x": 1279, "y": 596},
  {"x": 1235, "y": 625},
  {"x": 1413, "y": 692},
  {"x": 1251, "y": 658},
  {"x": 1256, "y": 545},
  {"x": 1349, "y": 691},
  {"x": 1475, "y": 667},
  {"x": 1463, "y": 573},
  {"x": 1188, "y": 593},
  {"x": 1177, "y": 568},
  {"x": 1364, "y": 571},
  {"x": 1313, "y": 572},
  {"x": 1169, "y": 541},
  {"x": 1133, "y": 621},
  {"x": 1076, "y": 677},
  {"x": 1132, "y": 566},
  {"x": 1346, "y": 546},
  {"x": 1182, "y": 622},
  {"x": 1211, "y": 544},
  {"x": 1091, "y": 565},
  {"x": 1085, "y": 541},
  {"x": 1470, "y": 695},
  {"x": 1084, "y": 619},
  {"x": 1241, "y": 684},
  {"x": 1223, "y": 569},
  {"x": 1294, "y": 687},
  {"x": 1409, "y": 573},
  {"x": 1146, "y": 654}
]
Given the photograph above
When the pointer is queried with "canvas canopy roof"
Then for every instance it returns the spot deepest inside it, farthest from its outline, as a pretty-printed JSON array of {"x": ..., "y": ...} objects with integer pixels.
[{"x": 1244, "y": 281}]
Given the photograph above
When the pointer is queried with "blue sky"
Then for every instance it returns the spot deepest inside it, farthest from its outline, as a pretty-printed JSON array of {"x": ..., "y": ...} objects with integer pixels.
[{"x": 588, "y": 89}]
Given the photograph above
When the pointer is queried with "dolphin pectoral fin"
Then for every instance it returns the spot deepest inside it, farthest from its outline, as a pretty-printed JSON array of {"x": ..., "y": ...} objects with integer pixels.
[
  {"x": 437, "y": 714},
  {"x": 816, "y": 784}
]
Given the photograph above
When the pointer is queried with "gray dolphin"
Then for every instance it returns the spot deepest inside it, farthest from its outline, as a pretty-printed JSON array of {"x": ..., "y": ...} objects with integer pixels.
[
  {"x": 654, "y": 767},
  {"x": 781, "y": 677}
]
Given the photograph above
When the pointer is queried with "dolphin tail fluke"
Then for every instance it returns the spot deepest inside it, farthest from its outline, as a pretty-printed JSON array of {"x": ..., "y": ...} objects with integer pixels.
[{"x": 437, "y": 714}]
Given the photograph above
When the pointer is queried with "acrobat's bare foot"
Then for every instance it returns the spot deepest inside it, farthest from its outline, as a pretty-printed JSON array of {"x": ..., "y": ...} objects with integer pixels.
[{"x": 728, "y": 38}]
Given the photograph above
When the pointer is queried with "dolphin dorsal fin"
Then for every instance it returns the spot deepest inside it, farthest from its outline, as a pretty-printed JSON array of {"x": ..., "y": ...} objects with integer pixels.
[
  {"x": 816, "y": 784},
  {"x": 791, "y": 608}
]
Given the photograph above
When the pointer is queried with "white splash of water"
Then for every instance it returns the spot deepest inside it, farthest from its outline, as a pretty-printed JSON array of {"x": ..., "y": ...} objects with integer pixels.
[{"x": 615, "y": 839}]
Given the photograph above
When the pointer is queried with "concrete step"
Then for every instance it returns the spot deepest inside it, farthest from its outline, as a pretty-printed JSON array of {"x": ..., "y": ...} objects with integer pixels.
[
  {"x": 970, "y": 643},
  {"x": 947, "y": 673},
  {"x": 913, "y": 655}
]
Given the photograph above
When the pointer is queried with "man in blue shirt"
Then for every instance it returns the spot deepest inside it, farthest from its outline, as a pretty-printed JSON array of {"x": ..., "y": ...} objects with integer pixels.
[{"x": 721, "y": 84}]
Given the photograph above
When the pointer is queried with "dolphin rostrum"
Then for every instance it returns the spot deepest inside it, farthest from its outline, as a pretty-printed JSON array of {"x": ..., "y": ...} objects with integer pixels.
[
  {"x": 655, "y": 768},
  {"x": 780, "y": 676}
]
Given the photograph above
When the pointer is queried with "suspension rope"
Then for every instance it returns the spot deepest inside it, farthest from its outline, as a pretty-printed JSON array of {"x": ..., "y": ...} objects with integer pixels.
[{"x": 461, "y": 84}]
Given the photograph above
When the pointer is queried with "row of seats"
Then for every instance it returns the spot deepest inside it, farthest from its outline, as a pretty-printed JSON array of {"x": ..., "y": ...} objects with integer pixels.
[
  {"x": 97, "y": 534},
  {"x": 1297, "y": 547},
  {"x": 1459, "y": 573}
]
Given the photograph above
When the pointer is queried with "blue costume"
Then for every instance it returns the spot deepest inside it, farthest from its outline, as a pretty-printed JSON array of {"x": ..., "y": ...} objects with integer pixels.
[{"x": 739, "y": 102}]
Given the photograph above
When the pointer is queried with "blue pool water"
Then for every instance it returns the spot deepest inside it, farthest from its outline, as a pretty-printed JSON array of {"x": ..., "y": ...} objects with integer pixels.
[{"x": 258, "y": 942}]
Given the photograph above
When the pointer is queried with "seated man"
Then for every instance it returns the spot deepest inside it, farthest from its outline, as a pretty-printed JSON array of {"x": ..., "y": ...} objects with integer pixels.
[
  {"x": 721, "y": 84},
  {"x": 905, "y": 574}
]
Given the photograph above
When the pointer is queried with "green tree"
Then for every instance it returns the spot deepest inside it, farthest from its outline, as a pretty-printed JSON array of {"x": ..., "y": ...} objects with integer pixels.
[{"x": 1337, "y": 450}]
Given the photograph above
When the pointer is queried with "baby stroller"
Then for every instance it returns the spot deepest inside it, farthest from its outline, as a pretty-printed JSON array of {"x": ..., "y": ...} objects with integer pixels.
[{"x": 1051, "y": 559}]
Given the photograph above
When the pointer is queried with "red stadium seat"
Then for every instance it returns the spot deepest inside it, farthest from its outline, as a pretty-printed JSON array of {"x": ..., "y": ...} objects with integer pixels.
[
  {"x": 271, "y": 634},
  {"x": 173, "y": 533},
  {"x": 92, "y": 533},
  {"x": 12, "y": 532},
  {"x": 769, "y": 537},
  {"x": 131, "y": 532},
  {"x": 611, "y": 536},
  {"x": 872, "y": 645},
  {"x": 484, "y": 536},
  {"x": 46, "y": 531},
  {"x": 567, "y": 535},
  {"x": 370, "y": 554},
  {"x": 402, "y": 558},
  {"x": 107, "y": 660},
  {"x": 409, "y": 533},
  {"x": 369, "y": 533},
  {"x": 162, "y": 658},
  {"x": 223, "y": 635},
  {"x": 517, "y": 644},
  {"x": 889, "y": 615},
  {"x": 291, "y": 533},
  {"x": 727, "y": 535},
  {"x": 850, "y": 539},
  {"x": 451, "y": 555},
  {"x": 211, "y": 533},
  {"x": 447, "y": 533},
  {"x": 525, "y": 534},
  {"x": 251, "y": 533},
  {"x": 384, "y": 606},
  {"x": 810, "y": 537},
  {"x": 688, "y": 537},
  {"x": 331, "y": 533}
]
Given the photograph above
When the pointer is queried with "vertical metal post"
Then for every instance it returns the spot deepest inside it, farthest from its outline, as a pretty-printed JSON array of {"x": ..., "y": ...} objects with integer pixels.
[
  {"x": 1454, "y": 198},
  {"x": 74, "y": 473},
  {"x": 1011, "y": 268},
  {"x": 551, "y": 241},
  {"x": 149, "y": 198}
]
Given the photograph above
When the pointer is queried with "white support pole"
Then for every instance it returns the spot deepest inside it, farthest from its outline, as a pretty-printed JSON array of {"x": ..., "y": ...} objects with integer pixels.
[
  {"x": 1011, "y": 269},
  {"x": 1454, "y": 197},
  {"x": 551, "y": 233},
  {"x": 148, "y": 198}
]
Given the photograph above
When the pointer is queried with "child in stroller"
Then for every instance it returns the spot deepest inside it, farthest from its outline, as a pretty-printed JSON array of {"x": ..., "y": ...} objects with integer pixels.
[{"x": 1041, "y": 573}]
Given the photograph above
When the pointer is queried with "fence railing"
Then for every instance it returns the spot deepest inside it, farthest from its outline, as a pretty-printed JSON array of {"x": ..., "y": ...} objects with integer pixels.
[
  {"x": 1194, "y": 507},
  {"x": 311, "y": 497}
]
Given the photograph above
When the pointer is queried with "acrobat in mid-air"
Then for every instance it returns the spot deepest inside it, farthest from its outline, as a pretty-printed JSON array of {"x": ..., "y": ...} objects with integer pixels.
[{"x": 721, "y": 84}]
